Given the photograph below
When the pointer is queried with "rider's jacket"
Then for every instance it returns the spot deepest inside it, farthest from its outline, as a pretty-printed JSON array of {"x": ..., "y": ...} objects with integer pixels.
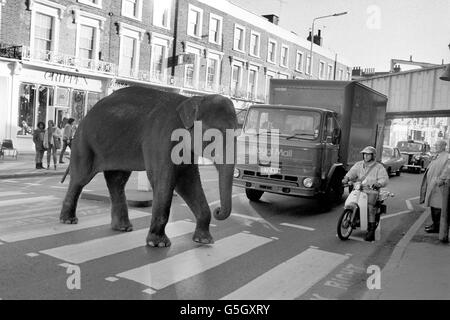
[{"x": 377, "y": 174}]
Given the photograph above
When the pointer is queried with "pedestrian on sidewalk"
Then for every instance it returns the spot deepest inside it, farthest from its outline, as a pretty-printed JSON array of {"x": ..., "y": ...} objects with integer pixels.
[
  {"x": 67, "y": 138},
  {"x": 38, "y": 139},
  {"x": 51, "y": 141},
  {"x": 430, "y": 192}
]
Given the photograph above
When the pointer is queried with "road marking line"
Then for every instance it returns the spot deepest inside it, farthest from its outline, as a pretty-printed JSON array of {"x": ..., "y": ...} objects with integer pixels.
[
  {"x": 112, "y": 279},
  {"x": 32, "y": 254},
  {"x": 58, "y": 187},
  {"x": 149, "y": 291},
  {"x": 64, "y": 265},
  {"x": 58, "y": 228},
  {"x": 182, "y": 266},
  {"x": 314, "y": 247},
  {"x": 106, "y": 246},
  {"x": 274, "y": 238},
  {"x": 217, "y": 201},
  {"x": 32, "y": 184},
  {"x": 12, "y": 181},
  {"x": 12, "y": 193},
  {"x": 246, "y": 231},
  {"x": 357, "y": 238},
  {"x": 414, "y": 198},
  {"x": 296, "y": 226},
  {"x": 247, "y": 217},
  {"x": 394, "y": 214},
  {"x": 1, "y": 243},
  {"x": 291, "y": 278},
  {"x": 409, "y": 205},
  {"x": 5, "y": 203},
  {"x": 349, "y": 254}
]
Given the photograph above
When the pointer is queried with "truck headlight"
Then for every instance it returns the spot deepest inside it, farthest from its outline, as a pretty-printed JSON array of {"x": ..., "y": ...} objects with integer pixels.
[
  {"x": 236, "y": 173},
  {"x": 308, "y": 182}
]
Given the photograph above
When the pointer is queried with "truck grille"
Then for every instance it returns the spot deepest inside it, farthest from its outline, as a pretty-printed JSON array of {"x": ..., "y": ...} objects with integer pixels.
[{"x": 273, "y": 176}]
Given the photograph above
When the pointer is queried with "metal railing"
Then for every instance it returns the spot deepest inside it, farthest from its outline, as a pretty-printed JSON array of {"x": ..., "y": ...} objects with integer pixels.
[
  {"x": 11, "y": 52},
  {"x": 155, "y": 77}
]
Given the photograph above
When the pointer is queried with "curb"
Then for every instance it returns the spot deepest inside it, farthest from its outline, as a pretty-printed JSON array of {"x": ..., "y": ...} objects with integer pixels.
[
  {"x": 30, "y": 174},
  {"x": 106, "y": 199},
  {"x": 398, "y": 253}
]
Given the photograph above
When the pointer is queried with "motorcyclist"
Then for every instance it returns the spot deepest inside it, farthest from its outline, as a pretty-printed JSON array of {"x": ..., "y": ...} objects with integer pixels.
[{"x": 370, "y": 173}]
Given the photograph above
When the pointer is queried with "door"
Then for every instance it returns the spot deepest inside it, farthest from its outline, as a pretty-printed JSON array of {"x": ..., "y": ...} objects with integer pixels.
[
  {"x": 59, "y": 114},
  {"x": 331, "y": 147}
]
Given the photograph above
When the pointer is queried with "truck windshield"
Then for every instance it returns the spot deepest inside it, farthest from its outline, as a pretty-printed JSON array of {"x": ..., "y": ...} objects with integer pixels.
[
  {"x": 300, "y": 124},
  {"x": 406, "y": 146}
]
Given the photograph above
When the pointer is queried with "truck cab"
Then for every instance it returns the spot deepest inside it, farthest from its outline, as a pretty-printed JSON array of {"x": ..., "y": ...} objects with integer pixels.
[{"x": 308, "y": 151}]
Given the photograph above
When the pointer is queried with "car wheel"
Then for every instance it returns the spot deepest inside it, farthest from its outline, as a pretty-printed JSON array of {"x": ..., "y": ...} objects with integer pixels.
[
  {"x": 397, "y": 173},
  {"x": 389, "y": 171}
]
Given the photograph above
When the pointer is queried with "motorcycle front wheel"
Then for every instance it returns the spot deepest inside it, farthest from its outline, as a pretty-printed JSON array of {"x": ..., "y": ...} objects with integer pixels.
[{"x": 344, "y": 226}]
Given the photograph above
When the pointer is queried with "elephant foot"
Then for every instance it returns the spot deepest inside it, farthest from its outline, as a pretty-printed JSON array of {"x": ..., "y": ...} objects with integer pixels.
[
  {"x": 203, "y": 237},
  {"x": 124, "y": 226},
  {"x": 154, "y": 240},
  {"x": 68, "y": 220}
]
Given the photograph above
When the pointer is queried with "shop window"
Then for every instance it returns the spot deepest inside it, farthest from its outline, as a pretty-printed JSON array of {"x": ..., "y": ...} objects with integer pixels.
[
  {"x": 27, "y": 93},
  {"x": 62, "y": 97},
  {"x": 45, "y": 99},
  {"x": 93, "y": 98},
  {"x": 78, "y": 103}
]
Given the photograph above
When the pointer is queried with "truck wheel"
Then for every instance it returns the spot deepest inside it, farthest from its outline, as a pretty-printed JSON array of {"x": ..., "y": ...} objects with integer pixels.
[{"x": 253, "y": 195}]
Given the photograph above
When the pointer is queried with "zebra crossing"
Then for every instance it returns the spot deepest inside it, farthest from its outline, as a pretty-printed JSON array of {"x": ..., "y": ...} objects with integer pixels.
[{"x": 287, "y": 280}]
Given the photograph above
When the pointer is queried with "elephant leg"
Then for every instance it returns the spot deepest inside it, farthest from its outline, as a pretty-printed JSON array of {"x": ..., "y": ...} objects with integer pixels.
[
  {"x": 189, "y": 187},
  {"x": 163, "y": 187},
  {"x": 69, "y": 207},
  {"x": 116, "y": 181}
]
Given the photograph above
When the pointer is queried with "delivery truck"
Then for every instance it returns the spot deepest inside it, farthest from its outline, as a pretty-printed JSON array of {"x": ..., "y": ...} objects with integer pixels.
[{"x": 321, "y": 127}]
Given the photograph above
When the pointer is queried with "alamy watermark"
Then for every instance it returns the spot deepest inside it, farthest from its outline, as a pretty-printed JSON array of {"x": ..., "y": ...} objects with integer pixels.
[{"x": 259, "y": 148}]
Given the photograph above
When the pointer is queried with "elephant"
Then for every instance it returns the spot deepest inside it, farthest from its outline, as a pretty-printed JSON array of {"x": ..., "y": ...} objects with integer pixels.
[{"x": 130, "y": 130}]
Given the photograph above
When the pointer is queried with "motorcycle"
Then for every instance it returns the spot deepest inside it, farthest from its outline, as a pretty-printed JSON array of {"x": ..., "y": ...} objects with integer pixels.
[{"x": 355, "y": 214}]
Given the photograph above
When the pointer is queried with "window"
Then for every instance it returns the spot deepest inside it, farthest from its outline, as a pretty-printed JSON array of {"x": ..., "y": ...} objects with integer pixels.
[
  {"x": 330, "y": 72},
  {"x": 269, "y": 75},
  {"x": 349, "y": 77},
  {"x": 94, "y": 3},
  {"x": 213, "y": 71},
  {"x": 78, "y": 105},
  {"x": 215, "y": 29},
  {"x": 236, "y": 79},
  {"x": 130, "y": 38},
  {"x": 322, "y": 70},
  {"x": 195, "y": 20},
  {"x": 44, "y": 34},
  {"x": 252, "y": 82},
  {"x": 192, "y": 69},
  {"x": 239, "y": 38},
  {"x": 161, "y": 13},
  {"x": 159, "y": 54},
  {"x": 88, "y": 38},
  {"x": 132, "y": 9},
  {"x": 254, "y": 43},
  {"x": 299, "y": 61},
  {"x": 284, "y": 56},
  {"x": 271, "y": 51},
  {"x": 86, "y": 48},
  {"x": 341, "y": 74}
]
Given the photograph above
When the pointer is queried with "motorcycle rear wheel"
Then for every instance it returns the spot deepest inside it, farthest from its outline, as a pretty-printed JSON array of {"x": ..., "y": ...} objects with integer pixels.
[{"x": 345, "y": 225}]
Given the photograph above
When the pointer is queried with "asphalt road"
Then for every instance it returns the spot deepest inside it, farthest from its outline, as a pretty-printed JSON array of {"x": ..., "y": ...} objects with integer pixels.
[{"x": 278, "y": 248}]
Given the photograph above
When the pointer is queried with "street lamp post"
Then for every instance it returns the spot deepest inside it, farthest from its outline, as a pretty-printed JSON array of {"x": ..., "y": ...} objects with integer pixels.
[{"x": 312, "y": 38}]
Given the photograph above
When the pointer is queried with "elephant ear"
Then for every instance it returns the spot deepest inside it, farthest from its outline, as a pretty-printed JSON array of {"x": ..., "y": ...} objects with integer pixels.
[{"x": 188, "y": 111}]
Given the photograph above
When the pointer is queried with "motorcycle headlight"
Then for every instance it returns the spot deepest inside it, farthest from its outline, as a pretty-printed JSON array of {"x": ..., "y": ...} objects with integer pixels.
[
  {"x": 417, "y": 157},
  {"x": 236, "y": 173},
  {"x": 308, "y": 182}
]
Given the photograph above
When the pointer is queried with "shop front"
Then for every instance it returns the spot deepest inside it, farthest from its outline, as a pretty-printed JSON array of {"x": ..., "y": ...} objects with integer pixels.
[{"x": 44, "y": 95}]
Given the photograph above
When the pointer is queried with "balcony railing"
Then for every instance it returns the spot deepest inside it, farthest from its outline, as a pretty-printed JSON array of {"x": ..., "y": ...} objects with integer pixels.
[
  {"x": 11, "y": 52},
  {"x": 164, "y": 79},
  {"x": 67, "y": 60}
]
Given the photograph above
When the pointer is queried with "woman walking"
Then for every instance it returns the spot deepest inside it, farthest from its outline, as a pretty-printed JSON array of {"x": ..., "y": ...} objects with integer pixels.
[
  {"x": 38, "y": 139},
  {"x": 51, "y": 141}
]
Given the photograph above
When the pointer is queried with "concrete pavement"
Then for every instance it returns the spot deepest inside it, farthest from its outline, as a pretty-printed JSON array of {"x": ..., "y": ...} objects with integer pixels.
[{"x": 419, "y": 267}]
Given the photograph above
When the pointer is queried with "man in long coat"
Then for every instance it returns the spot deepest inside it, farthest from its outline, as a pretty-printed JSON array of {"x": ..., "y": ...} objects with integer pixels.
[{"x": 430, "y": 191}]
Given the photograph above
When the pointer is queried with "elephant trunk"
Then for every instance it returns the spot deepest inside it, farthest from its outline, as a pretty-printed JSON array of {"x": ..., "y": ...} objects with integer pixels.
[{"x": 225, "y": 188}]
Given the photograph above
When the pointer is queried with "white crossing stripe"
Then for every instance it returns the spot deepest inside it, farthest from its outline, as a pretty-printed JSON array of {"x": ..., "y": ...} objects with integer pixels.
[
  {"x": 247, "y": 217},
  {"x": 5, "y": 203},
  {"x": 58, "y": 228},
  {"x": 182, "y": 266},
  {"x": 394, "y": 214},
  {"x": 11, "y": 193},
  {"x": 297, "y": 226},
  {"x": 291, "y": 278},
  {"x": 32, "y": 254},
  {"x": 102, "y": 247},
  {"x": 111, "y": 279}
]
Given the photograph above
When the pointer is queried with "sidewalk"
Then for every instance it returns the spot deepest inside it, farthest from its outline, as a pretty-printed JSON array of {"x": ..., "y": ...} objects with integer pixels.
[
  {"x": 419, "y": 268},
  {"x": 24, "y": 167}
]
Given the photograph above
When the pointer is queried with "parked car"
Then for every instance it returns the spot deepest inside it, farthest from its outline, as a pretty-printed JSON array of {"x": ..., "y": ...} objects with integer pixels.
[
  {"x": 417, "y": 154},
  {"x": 392, "y": 160}
]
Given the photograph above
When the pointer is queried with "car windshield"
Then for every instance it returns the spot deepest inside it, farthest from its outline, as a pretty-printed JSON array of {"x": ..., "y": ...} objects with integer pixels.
[
  {"x": 409, "y": 146},
  {"x": 290, "y": 122},
  {"x": 387, "y": 153}
]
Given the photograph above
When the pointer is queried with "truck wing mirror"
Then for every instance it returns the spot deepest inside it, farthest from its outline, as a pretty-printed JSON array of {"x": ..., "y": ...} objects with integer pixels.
[{"x": 336, "y": 136}]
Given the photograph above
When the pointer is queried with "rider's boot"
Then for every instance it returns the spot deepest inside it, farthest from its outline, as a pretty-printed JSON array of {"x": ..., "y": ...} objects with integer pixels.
[{"x": 370, "y": 235}]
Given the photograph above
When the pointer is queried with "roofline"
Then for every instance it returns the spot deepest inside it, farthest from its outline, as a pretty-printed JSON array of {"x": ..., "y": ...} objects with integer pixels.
[{"x": 390, "y": 74}]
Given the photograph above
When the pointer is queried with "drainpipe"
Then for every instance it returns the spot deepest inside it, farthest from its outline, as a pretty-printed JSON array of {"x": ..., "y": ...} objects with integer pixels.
[{"x": 175, "y": 38}]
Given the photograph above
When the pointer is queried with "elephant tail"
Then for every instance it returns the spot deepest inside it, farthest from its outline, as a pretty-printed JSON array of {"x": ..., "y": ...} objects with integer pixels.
[{"x": 65, "y": 174}]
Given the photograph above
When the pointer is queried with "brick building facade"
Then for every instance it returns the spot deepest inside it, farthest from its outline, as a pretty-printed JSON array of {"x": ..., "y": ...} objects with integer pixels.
[{"x": 58, "y": 57}]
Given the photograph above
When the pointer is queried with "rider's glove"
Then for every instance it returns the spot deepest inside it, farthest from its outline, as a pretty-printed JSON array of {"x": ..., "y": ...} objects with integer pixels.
[
  {"x": 376, "y": 185},
  {"x": 344, "y": 181}
]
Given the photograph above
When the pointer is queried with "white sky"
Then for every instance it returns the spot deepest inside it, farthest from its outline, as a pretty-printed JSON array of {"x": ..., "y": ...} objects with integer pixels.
[{"x": 373, "y": 31}]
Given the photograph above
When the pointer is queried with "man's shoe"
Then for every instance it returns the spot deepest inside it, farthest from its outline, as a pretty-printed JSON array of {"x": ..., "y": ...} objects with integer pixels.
[
  {"x": 61, "y": 162},
  {"x": 434, "y": 229}
]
